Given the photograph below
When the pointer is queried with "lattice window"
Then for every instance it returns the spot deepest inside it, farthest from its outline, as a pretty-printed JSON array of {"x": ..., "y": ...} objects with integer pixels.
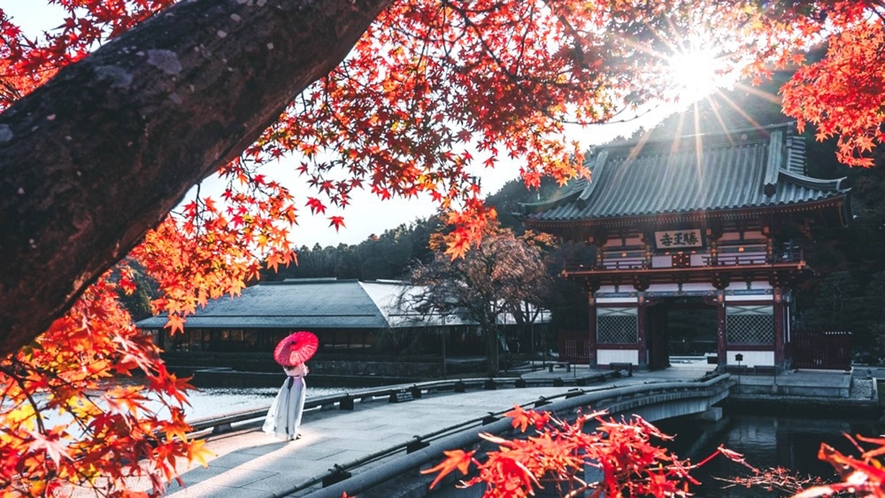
[
  {"x": 749, "y": 324},
  {"x": 617, "y": 326}
]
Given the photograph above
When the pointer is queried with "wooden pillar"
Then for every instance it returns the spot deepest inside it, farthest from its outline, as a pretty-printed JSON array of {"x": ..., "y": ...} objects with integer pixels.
[
  {"x": 721, "y": 349},
  {"x": 714, "y": 233},
  {"x": 598, "y": 239},
  {"x": 647, "y": 237},
  {"x": 591, "y": 329},
  {"x": 779, "y": 331},
  {"x": 769, "y": 243},
  {"x": 643, "y": 332}
]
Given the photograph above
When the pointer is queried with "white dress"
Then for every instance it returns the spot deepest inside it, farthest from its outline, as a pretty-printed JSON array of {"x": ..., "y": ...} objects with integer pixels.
[{"x": 284, "y": 416}]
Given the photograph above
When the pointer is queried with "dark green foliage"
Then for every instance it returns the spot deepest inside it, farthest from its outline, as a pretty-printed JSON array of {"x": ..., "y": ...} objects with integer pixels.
[
  {"x": 506, "y": 201},
  {"x": 691, "y": 331},
  {"x": 848, "y": 289},
  {"x": 139, "y": 302},
  {"x": 387, "y": 256}
]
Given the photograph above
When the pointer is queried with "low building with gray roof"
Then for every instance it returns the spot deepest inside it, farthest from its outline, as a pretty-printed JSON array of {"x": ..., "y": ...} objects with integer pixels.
[{"x": 349, "y": 317}]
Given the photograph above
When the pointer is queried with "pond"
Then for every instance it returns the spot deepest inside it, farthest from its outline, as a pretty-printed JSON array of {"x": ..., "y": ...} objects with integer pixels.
[{"x": 766, "y": 442}]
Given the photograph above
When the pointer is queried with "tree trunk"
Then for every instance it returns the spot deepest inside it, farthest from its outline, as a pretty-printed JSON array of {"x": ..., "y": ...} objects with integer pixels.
[
  {"x": 490, "y": 332},
  {"x": 97, "y": 156}
]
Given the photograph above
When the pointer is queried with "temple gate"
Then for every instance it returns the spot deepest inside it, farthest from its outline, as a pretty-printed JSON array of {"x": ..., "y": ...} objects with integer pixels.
[{"x": 717, "y": 219}]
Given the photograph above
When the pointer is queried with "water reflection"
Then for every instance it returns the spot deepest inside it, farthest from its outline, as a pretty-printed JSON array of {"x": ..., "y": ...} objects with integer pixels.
[{"x": 767, "y": 442}]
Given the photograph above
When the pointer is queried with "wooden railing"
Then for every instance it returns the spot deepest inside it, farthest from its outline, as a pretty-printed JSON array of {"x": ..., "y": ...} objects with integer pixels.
[
  {"x": 345, "y": 400},
  {"x": 742, "y": 259},
  {"x": 820, "y": 349}
]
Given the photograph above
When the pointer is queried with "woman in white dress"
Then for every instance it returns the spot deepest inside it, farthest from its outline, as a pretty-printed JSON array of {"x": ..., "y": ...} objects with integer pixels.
[{"x": 284, "y": 416}]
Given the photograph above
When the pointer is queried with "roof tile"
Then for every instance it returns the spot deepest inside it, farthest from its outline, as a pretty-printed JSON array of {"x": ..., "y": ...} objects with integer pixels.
[{"x": 702, "y": 173}]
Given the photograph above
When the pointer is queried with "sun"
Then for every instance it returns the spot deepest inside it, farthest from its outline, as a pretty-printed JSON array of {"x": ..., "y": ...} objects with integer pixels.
[{"x": 694, "y": 74}]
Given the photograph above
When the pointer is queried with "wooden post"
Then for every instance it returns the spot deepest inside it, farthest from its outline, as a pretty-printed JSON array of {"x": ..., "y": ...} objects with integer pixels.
[
  {"x": 643, "y": 333},
  {"x": 591, "y": 329},
  {"x": 444, "y": 336},
  {"x": 721, "y": 349},
  {"x": 778, "y": 326},
  {"x": 768, "y": 233}
]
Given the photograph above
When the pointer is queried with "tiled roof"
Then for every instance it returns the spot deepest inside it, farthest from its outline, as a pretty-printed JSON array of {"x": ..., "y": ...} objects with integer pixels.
[
  {"x": 399, "y": 312},
  {"x": 304, "y": 303},
  {"x": 705, "y": 173},
  {"x": 314, "y": 303}
]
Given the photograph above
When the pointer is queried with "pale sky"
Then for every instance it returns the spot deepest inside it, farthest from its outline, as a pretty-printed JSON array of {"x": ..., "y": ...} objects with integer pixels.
[{"x": 367, "y": 214}]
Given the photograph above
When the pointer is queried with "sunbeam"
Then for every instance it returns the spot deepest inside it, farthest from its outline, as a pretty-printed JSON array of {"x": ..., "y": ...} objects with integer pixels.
[{"x": 694, "y": 74}]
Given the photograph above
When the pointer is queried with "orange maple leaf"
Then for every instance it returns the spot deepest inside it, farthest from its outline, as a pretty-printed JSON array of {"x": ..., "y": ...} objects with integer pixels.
[
  {"x": 524, "y": 418},
  {"x": 457, "y": 459},
  {"x": 175, "y": 323}
]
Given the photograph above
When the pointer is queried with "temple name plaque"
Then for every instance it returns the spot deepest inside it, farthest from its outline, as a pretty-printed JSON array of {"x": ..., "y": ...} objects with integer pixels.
[{"x": 677, "y": 239}]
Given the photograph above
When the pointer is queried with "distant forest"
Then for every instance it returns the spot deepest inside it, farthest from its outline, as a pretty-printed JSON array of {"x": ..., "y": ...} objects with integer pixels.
[{"x": 844, "y": 291}]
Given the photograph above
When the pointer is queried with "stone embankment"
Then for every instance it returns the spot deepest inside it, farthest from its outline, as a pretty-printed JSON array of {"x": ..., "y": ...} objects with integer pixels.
[{"x": 824, "y": 394}]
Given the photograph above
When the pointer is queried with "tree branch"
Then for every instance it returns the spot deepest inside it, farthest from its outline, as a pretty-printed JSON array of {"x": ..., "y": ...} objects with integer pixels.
[{"x": 97, "y": 156}]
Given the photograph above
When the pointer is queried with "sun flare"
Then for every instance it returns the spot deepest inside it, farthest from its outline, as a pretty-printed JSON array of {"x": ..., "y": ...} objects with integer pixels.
[{"x": 695, "y": 74}]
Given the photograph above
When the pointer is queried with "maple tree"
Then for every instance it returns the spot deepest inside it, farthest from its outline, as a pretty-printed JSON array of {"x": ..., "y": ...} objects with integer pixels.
[
  {"x": 69, "y": 420},
  {"x": 843, "y": 94},
  {"x": 108, "y": 120},
  {"x": 497, "y": 276}
]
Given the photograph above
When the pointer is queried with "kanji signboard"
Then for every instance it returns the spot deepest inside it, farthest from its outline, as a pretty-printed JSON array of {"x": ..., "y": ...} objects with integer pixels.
[{"x": 675, "y": 239}]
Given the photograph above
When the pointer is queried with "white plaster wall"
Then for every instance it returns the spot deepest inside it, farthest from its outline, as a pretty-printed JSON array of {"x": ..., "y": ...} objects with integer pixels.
[
  {"x": 661, "y": 261},
  {"x": 699, "y": 259},
  {"x": 752, "y": 358},
  {"x": 606, "y": 356},
  {"x": 688, "y": 287},
  {"x": 696, "y": 287},
  {"x": 615, "y": 300},
  {"x": 761, "y": 298},
  {"x": 606, "y": 289}
]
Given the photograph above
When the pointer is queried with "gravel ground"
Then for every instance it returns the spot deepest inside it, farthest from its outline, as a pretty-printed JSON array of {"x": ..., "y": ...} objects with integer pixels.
[{"x": 861, "y": 388}]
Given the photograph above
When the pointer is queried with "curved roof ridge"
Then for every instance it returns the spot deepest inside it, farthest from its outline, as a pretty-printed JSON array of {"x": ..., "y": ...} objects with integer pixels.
[
  {"x": 834, "y": 184},
  {"x": 532, "y": 207},
  {"x": 687, "y": 138}
]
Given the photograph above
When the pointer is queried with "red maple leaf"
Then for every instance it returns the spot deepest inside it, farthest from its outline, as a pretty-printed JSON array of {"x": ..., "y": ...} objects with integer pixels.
[
  {"x": 316, "y": 205},
  {"x": 337, "y": 222}
]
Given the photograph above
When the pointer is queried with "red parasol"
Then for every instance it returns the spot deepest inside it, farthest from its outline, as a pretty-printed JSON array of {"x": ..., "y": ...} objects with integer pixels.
[{"x": 296, "y": 348}]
